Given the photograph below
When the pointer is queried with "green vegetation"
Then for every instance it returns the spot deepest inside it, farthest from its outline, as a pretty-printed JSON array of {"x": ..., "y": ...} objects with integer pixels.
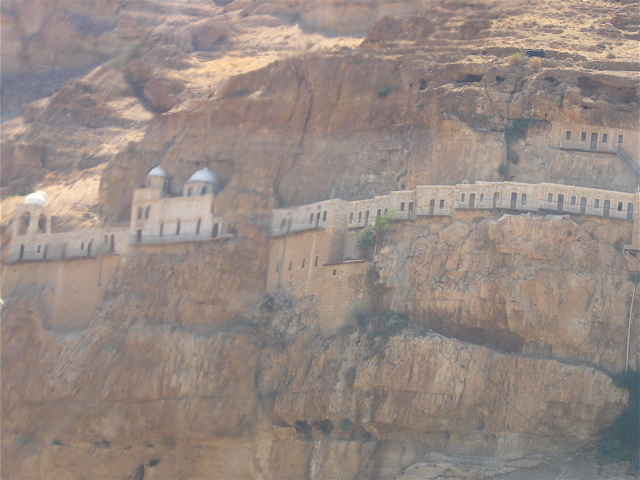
[
  {"x": 518, "y": 58},
  {"x": 621, "y": 441},
  {"x": 419, "y": 106},
  {"x": 535, "y": 62},
  {"x": 132, "y": 51},
  {"x": 503, "y": 170},
  {"x": 372, "y": 234},
  {"x": 383, "y": 92}
]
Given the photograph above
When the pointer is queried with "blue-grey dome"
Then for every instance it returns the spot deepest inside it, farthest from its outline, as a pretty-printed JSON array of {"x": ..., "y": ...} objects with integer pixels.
[
  {"x": 158, "y": 172},
  {"x": 204, "y": 175}
]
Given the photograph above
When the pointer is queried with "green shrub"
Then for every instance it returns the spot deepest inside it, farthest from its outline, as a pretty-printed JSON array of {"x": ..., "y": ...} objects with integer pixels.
[
  {"x": 376, "y": 231},
  {"x": 519, "y": 59},
  {"x": 383, "y": 92},
  {"x": 535, "y": 62}
]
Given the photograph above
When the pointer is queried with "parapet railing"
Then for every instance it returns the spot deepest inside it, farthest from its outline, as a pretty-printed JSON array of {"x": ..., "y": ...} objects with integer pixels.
[
  {"x": 441, "y": 200},
  {"x": 22, "y": 253},
  {"x": 164, "y": 239}
]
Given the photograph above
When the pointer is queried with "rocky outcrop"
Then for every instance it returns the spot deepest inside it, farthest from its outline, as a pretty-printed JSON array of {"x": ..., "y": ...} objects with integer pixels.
[
  {"x": 545, "y": 286},
  {"x": 355, "y": 404},
  {"x": 292, "y": 144}
]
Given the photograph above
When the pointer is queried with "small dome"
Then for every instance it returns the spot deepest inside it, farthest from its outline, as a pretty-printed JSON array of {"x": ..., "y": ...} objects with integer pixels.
[
  {"x": 36, "y": 198},
  {"x": 204, "y": 175},
  {"x": 158, "y": 172}
]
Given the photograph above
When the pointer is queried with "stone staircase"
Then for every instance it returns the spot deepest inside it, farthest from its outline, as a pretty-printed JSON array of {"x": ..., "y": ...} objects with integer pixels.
[{"x": 629, "y": 160}]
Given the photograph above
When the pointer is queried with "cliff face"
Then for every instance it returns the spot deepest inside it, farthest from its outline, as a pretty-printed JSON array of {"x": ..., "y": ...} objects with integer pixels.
[
  {"x": 299, "y": 137},
  {"x": 180, "y": 372},
  {"x": 545, "y": 286},
  {"x": 179, "y": 401},
  {"x": 492, "y": 334}
]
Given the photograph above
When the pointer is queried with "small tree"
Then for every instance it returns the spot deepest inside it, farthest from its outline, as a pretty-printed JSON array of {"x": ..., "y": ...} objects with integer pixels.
[{"x": 372, "y": 234}]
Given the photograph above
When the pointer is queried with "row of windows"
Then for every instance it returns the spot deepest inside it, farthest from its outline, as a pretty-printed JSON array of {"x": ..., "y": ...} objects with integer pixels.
[
  {"x": 44, "y": 249},
  {"x": 214, "y": 230},
  {"x": 203, "y": 191},
  {"x": 594, "y": 137},
  {"x": 584, "y": 202},
  {"x": 304, "y": 259},
  {"x": 147, "y": 211},
  {"x": 379, "y": 212},
  {"x": 311, "y": 217}
]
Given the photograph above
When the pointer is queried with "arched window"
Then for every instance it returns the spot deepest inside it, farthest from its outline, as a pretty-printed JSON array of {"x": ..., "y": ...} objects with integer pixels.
[
  {"x": 204, "y": 190},
  {"x": 42, "y": 223},
  {"x": 198, "y": 227},
  {"x": 25, "y": 220}
]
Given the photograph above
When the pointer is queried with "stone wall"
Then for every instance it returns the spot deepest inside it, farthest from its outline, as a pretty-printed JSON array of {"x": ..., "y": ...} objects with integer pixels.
[
  {"x": 72, "y": 289},
  {"x": 154, "y": 217},
  {"x": 56, "y": 246},
  {"x": 595, "y": 138}
]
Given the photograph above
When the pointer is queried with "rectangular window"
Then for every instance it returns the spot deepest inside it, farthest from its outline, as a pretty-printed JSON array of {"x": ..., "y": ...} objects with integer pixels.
[
  {"x": 481, "y": 197},
  {"x": 402, "y": 206},
  {"x": 324, "y": 216},
  {"x": 334, "y": 272},
  {"x": 303, "y": 260},
  {"x": 596, "y": 204},
  {"x": 573, "y": 199},
  {"x": 351, "y": 217},
  {"x": 583, "y": 136},
  {"x": 139, "y": 213},
  {"x": 359, "y": 217},
  {"x": 379, "y": 212},
  {"x": 550, "y": 197},
  {"x": 290, "y": 264},
  {"x": 277, "y": 267},
  {"x": 620, "y": 138},
  {"x": 315, "y": 262},
  {"x": 619, "y": 209},
  {"x": 386, "y": 210},
  {"x": 311, "y": 219},
  {"x": 441, "y": 203},
  {"x": 146, "y": 213},
  {"x": 411, "y": 206},
  {"x": 605, "y": 138},
  {"x": 567, "y": 135},
  {"x": 463, "y": 197},
  {"x": 82, "y": 246},
  {"x": 523, "y": 199},
  {"x": 283, "y": 224},
  {"x": 39, "y": 246}
]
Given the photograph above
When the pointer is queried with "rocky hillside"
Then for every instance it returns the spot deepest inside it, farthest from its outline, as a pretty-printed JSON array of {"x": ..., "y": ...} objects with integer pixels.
[
  {"x": 186, "y": 371},
  {"x": 487, "y": 335}
]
